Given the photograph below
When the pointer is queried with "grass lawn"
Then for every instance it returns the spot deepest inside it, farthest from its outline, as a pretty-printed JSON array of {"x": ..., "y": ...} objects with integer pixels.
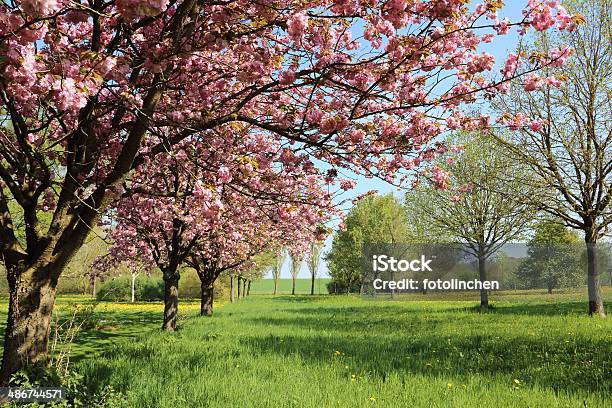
[
  {"x": 346, "y": 351},
  {"x": 302, "y": 286},
  {"x": 114, "y": 322}
]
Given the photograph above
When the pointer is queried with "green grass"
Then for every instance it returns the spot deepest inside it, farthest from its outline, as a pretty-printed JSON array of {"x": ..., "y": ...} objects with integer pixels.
[
  {"x": 114, "y": 322},
  {"x": 346, "y": 351},
  {"x": 531, "y": 350},
  {"x": 302, "y": 286}
]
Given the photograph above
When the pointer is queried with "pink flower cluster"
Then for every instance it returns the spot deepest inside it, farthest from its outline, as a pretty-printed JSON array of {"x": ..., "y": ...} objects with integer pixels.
[
  {"x": 542, "y": 17},
  {"x": 137, "y": 8},
  {"x": 38, "y": 8},
  {"x": 296, "y": 26},
  {"x": 480, "y": 63}
]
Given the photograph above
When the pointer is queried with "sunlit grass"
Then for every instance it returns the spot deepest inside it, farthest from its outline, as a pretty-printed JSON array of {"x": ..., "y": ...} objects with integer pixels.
[
  {"x": 302, "y": 286},
  {"x": 346, "y": 351},
  {"x": 112, "y": 322}
]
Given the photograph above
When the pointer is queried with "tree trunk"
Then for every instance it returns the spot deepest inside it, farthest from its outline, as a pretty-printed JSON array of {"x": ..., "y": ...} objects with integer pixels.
[
  {"x": 312, "y": 284},
  {"x": 93, "y": 289},
  {"x": 31, "y": 301},
  {"x": 275, "y": 285},
  {"x": 133, "y": 288},
  {"x": 206, "y": 305},
  {"x": 231, "y": 289},
  {"x": 170, "y": 302},
  {"x": 482, "y": 273},
  {"x": 293, "y": 286},
  {"x": 248, "y": 291},
  {"x": 239, "y": 291},
  {"x": 596, "y": 305}
]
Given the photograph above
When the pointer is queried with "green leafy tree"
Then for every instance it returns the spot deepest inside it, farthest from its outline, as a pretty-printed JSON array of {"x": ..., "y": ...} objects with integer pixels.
[
  {"x": 262, "y": 264},
  {"x": 553, "y": 258},
  {"x": 480, "y": 209},
  {"x": 567, "y": 142},
  {"x": 374, "y": 220}
]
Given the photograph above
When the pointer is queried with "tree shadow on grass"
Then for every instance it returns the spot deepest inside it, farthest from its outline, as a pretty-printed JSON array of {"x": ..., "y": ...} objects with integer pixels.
[
  {"x": 380, "y": 340},
  {"x": 580, "y": 366},
  {"x": 112, "y": 328},
  {"x": 532, "y": 309},
  {"x": 430, "y": 340},
  {"x": 296, "y": 298}
]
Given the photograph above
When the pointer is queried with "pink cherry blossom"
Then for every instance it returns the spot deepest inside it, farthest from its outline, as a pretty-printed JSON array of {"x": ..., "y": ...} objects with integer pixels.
[
  {"x": 296, "y": 26},
  {"x": 533, "y": 82}
]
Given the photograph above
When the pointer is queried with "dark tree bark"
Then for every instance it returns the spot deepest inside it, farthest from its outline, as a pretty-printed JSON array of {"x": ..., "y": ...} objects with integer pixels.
[
  {"x": 312, "y": 284},
  {"x": 208, "y": 270},
  {"x": 293, "y": 286},
  {"x": 275, "y": 285},
  {"x": 32, "y": 298},
  {"x": 244, "y": 282},
  {"x": 595, "y": 300},
  {"x": 206, "y": 305},
  {"x": 248, "y": 291},
  {"x": 482, "y": 273},
  {"x": 171, "y": 282},
  {"x": 32, "y": 279}
]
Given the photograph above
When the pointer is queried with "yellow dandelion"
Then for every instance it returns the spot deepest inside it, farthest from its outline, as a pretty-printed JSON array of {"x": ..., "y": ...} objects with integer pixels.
[
  {"x": 372, "y": 399},
  {"x": 449, "y": 385},
  {"x": 517, "y": 381}
]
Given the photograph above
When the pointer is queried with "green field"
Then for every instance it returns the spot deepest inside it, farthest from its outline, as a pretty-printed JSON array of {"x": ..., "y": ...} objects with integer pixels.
[
  {"x": 302, "y": 286},
  {"x": 347, "y": 351}
]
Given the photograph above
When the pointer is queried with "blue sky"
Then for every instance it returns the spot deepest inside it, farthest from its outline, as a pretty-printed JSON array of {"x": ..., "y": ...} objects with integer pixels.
[{"x": 500, "y": 47}]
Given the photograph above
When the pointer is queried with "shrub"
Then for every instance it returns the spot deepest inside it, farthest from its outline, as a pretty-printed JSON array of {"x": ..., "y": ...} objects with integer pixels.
[
  {"x": 150, "y": 289},
  {"x": 78, "y": 393},
  {"x": 120, "y": 289},
  {"x": 335, "y": 287},
  {"x": 115, "y": 290}
]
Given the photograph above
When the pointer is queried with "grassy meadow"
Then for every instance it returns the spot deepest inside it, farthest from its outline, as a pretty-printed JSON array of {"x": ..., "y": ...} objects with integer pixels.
[
  {"x": 302, "y": 286},
  {"x": 347, "y": 351}
]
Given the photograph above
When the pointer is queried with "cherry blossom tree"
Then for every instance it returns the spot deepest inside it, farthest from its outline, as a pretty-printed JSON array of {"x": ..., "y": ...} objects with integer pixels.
[
  {"x": 227, "y": 199},
  {"x": 242, "y": 235},
  {"x": 92, "y": 89}
]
